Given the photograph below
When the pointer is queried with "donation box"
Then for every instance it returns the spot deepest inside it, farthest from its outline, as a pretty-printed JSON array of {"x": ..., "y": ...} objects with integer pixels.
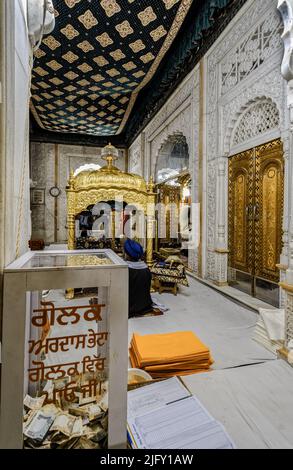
[{"x": 65, "y": 351}]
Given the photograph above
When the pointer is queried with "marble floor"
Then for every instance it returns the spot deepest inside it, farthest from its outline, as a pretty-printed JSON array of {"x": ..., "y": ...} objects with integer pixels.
[
  {"x": 226, "y": 327},
  {"x": 253, "y": 389}
]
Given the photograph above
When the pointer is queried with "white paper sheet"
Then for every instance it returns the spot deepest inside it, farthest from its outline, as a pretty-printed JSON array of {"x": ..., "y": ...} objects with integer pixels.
[
  {"x": 254, "y": 403},
  {"x": 154, "y": 396},
  {"x": 185, "y": 424}
]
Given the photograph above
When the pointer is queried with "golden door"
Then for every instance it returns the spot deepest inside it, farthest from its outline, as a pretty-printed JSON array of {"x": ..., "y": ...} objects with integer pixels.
[{"x": 256, "y": 191}]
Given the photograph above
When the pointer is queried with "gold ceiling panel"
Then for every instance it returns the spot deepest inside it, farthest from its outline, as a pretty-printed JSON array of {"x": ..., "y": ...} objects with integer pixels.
[
  {"x": 104, "y": 39},
  {"x": 139, "y": 74},
  {"x": 52, "y": 43},
  {"x": 101, "y": 61},
  {"x": 70, "y": 32},
  {"x": 85, "y": 46},
  {"x": 129, "y": 66},
  {"x": 147, "y": 57},
  {"x": 40, "y": 71},
  {"x": 158, "y": 33},
  {"x": 98, "y": 77},
  {"x": 54, "y": 65},
  {"x": 118, "y": 54},
  {"x": 72, "y": 3},
  {"x": 137, "y": 46},
  {"x": 71, "y": 75},
  {"x": 113, "y": 72},
  {"x": 88, "y": 20},
  {"x": 147, "y": 16},
  {"x": 85, "y": 68},
  {"x": 44, "y": 85},
  {"x": 83, "y": 83},
  {"x": 39, "y": 53},
  {"x": 111, "y": 7},
  {"x": 170, "y": 3},
  {"x": 70, "y": 57},
  {"x": 123, "y": 80},
  {"x": 124, "y": 29}
]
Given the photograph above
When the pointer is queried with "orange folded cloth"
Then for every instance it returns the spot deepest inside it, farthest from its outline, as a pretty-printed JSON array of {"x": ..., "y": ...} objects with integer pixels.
[{"x": 166, "y": 355}]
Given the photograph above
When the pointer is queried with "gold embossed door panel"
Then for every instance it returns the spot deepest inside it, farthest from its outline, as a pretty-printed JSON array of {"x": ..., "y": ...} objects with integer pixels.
[
  {"x": 240, "y": 229},
  {"x": 269, "y": 194},
  {"x": 256, "y": 191}
]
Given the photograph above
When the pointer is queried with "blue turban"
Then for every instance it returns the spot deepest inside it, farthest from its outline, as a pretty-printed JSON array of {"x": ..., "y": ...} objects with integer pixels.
[{"x": 133, "y": 249}]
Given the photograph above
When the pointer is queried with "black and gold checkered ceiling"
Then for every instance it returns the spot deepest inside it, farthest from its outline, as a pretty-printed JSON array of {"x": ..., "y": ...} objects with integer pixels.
[{"x": 89, "y": 70}]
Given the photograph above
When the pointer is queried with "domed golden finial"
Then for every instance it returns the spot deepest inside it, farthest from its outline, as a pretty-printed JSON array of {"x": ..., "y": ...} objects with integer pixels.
[{"x": 110, "y": 154}]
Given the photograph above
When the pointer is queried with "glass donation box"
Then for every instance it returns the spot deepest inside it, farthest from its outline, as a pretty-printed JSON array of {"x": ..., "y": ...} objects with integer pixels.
[{"x": 65, "y": 351}]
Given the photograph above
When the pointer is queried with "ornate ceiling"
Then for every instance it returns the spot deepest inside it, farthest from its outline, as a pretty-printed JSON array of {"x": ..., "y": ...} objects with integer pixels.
[
  {"x": 88, "y": 72},
  {"x": 110, "y": 65}
]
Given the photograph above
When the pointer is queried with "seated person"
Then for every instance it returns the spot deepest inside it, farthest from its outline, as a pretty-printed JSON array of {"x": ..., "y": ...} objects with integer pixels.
[{"x": 140, "y": 301}]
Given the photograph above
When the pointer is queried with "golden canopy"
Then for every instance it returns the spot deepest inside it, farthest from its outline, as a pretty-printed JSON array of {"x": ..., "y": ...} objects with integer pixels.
[
  {"x": 108, "y": 177},
  {"x": 90, "y": 186}
]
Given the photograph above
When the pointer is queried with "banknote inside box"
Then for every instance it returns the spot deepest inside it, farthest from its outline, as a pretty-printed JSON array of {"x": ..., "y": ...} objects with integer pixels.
[{"x": 67, "y": 350}]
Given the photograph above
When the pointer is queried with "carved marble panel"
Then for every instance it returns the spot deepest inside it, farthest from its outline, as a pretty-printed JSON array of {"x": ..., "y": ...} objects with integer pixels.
[
  {"x": 243, "y": 81},
  {"x": 135, "y": 164},
  {"x": 44, "y": 157},
  {"x": 180, "y": 116}
]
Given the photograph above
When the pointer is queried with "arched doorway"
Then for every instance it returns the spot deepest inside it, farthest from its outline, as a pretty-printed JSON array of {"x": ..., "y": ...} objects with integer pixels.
[
  {"x": 173, "y": 182},
  {"x": 256, "y": 200},
  {"x": 256, "y": 194}
]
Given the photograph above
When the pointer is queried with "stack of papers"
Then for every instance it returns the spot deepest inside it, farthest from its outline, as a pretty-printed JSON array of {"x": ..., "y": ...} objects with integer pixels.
[
  {"x": 171, "y": 354},
  {"x": 270, "y": 329},
  {"x": 154, "y": 422}
]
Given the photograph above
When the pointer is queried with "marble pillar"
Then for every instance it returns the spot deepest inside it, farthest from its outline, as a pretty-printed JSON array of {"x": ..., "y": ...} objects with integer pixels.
[
  {"x": 221, "y": 249},
  {"x": 286, "y": 9}
]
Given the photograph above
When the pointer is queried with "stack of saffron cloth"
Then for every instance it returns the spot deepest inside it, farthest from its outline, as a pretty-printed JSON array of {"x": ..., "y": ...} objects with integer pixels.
[{"x": 167, "y": 355}]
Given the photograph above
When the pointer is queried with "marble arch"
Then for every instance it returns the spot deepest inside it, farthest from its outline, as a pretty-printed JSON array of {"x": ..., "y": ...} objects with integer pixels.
[
  {"x": 253, "y": 109},
  {"x": 166, "y": 138}
]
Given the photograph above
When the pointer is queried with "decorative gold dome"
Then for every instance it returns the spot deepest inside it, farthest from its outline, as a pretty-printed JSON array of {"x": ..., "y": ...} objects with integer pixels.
[{"x": 107, "y": 177}]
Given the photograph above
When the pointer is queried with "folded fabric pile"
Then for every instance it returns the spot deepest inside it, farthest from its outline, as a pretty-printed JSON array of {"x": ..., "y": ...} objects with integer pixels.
[
  {"x": 167, "y": 355},
  {"x": 270, "y": 329}
]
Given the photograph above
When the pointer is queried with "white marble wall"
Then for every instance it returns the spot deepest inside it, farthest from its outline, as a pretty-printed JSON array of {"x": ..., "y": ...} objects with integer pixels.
[
  {"x": 136, "y": 156},
  {"x": 50, "y": 165},
  {"x": 15, "y": 195},
  {"x": 241, "y": 77},
  {"x": 180, "y": 115}
]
